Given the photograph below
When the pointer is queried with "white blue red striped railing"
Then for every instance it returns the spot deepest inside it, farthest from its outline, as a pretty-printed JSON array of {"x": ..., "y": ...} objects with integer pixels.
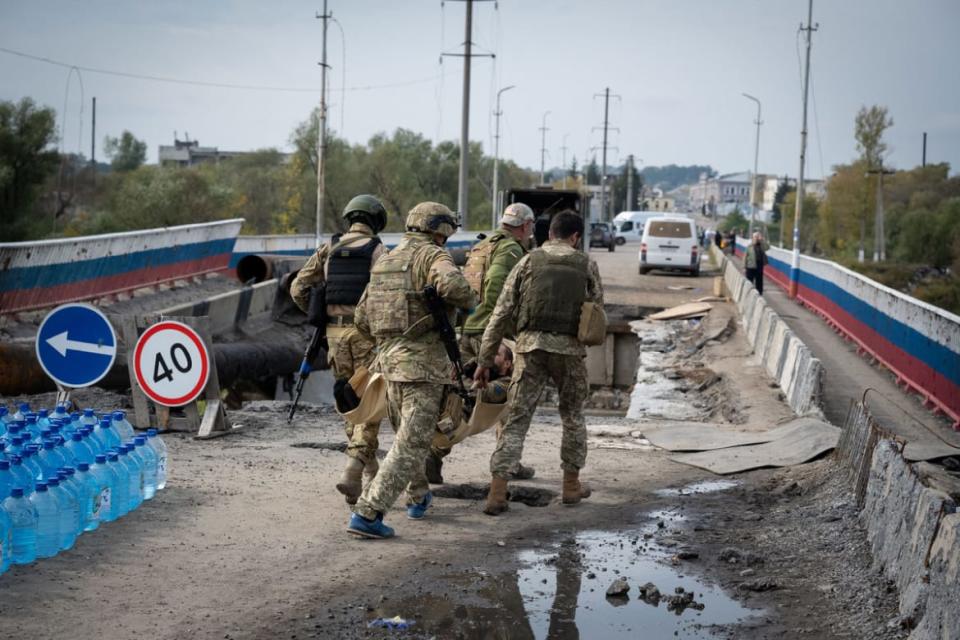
[
  {"x": 918, "y": 342},
  {"x": 35, "y": 275}
]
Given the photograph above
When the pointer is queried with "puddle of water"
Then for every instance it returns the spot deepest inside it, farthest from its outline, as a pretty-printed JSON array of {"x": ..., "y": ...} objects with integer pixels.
[{"x": 707, "y": 486}]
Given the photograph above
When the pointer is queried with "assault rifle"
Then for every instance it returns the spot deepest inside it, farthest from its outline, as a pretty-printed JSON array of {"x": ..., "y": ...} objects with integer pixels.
[
  {"x": 449, "y": 337},
  {"x": 317, "y": 317}
]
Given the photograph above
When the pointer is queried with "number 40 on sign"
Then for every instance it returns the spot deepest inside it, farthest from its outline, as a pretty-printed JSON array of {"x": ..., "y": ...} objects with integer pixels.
[{"x": 171, "y": 363}]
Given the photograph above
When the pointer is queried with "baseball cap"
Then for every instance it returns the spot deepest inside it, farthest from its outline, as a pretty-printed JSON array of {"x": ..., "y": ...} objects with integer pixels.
[{"x": 516, "y": 214}]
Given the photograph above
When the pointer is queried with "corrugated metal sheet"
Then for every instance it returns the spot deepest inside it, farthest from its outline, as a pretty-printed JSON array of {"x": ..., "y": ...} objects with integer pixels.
[{"x": 45, "y": 273}]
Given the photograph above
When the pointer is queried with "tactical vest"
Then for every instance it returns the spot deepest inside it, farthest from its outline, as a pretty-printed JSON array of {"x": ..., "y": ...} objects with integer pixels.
[
  {"x": 348, "y": 271},
  {"x": 481, "y": 255},
  {"x": 394, "y": 300},
  {"x": 553, "y": 293}
]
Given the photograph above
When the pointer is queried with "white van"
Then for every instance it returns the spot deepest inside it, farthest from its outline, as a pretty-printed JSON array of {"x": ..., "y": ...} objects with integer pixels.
[
  {"x": 629, "y": 225},
  {"x": 670, "y": 242}
]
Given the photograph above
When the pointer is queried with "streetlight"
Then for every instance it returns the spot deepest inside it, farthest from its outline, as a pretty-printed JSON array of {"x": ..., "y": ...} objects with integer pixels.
[
  {"x": 543, "y": 146},
  {"x": 496, "y": 159},
  {"x": 756, "y": 155}
]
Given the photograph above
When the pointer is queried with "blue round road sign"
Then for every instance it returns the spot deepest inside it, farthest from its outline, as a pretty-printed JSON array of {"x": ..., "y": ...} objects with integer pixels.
[{"x": 76, "y": 345}]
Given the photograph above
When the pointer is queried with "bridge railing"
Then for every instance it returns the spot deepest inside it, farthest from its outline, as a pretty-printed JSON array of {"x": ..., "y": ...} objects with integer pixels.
[
  {"x": 45, "y": 273},
  {"x": 918, "y": 342}
]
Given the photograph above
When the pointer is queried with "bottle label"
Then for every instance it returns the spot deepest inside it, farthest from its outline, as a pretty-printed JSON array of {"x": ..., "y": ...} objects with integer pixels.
[
  {"x": 162, "y": 464},
  {"x": 101, "y": 503}
]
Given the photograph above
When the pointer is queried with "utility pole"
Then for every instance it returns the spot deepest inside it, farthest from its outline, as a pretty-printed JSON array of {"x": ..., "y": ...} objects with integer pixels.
[
  {"x": 756, "y": 158},
  {"x": 322, "y": 127},
  {"x": 603, "y": 173},
  {"x": 462, "y": 191},
  {"x": 798, "y": 210},
  {"x": 563, "y": 159},
  {"x": 496, "y": 160},
  {"x": 629, "y": 203},
  {"x": 924, "y": 147},
  {"x": 93, "y": 143},
  {"x": 543, "y": 146},
  {"x": 879, "y": 234}
]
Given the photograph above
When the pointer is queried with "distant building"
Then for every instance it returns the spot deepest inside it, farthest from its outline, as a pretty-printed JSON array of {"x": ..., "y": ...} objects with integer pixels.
[
  {"x": 722, "y": 194},
  {"x": 655, "y": 200},
  {"x": 189, "y": 153}
]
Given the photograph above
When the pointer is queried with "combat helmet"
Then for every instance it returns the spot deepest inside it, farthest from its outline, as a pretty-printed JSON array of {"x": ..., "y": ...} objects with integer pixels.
[
  {"x": 432, "y": 217},
  {"x": 368, "y": 210}
]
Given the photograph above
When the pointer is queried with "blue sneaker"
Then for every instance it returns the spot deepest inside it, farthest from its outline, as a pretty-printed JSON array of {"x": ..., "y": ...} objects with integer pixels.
[
  {"x": 417, "y": 511},
  {"x": 374, "y": 529}
]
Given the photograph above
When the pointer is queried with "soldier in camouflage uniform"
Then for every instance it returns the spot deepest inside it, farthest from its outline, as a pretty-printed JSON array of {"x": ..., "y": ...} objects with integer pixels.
[
  {"x": 490, "y": 261},
  {"x": 544, "y": 293},
  {"x": 411, "y": 357},
  {"x": 344, "y": 265}
]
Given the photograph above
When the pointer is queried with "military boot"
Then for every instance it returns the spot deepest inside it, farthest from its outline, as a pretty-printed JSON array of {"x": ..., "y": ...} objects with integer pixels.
[
  {"x": 521, "y": 472},
  {"x": 350, "y": 483},
  {"x": 573, "y": 490},
  {"x": 433, "y": 466},
  {"x": 497, "y": 498}
]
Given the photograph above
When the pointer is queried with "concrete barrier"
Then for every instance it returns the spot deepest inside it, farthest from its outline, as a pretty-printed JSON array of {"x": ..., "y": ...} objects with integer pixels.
[
  {"x": 230, "y": 310},
  {"x": 45, "y": 273},
  {"x": 784, "y": 357},
  {"x": 918, "y": 342},
  {"x": 914, "y": 533}
]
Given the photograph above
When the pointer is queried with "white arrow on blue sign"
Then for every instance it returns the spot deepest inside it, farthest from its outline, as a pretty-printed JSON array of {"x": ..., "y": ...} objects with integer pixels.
[{"x": 76, "y": 345}]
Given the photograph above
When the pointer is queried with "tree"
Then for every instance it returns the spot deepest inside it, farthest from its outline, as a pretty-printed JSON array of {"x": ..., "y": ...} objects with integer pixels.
[
  {"x": 869, "y": 126},
  {"x": 126, "y": 153},
  {"x": 26, "y": 161},
  {"x": 593, "y": 172}
]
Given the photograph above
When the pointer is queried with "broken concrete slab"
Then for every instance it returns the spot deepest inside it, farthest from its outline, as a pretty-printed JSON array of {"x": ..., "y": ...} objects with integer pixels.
[
  {"x": 707, "y": 436},
  {"x": 683, "y": 311},
  {"x": 798, "y": 446}
]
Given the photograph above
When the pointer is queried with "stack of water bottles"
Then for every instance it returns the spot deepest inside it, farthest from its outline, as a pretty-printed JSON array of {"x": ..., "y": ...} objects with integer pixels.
[{"x": 62, "y": 474}]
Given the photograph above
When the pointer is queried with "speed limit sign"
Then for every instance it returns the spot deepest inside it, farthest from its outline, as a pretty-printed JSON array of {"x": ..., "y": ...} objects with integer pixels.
[{"x": 171, "y": 363}]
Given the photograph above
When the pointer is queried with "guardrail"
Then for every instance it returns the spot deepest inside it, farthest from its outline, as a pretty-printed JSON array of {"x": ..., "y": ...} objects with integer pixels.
[
  {"x": 34, "y": 275},
  {"x": 918, "y": 342}
]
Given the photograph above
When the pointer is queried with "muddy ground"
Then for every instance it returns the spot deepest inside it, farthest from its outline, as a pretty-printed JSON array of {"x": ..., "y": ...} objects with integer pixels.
[{"x": 248, "y": 539}]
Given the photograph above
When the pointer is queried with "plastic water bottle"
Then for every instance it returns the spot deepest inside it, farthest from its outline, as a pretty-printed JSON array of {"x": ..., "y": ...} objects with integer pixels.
[
  {"x": 156, "y": 443},
  {"x": 21, "y": 474},
  {"x": 22, "y": 412},
  {"x": 32, "y": 426},
  {"x": 89, "y": 497},
  {"x": 134, "y": 478},
  {"x": 7, "y": 480},
  {"x": 43, "y": 418},
  {"x": 107, "y": 436},
  {"x": 4, "y": 419},
  {"x": 29, "y": 463},
  {"x": 6, "y": 540},
  {"x": 89, "y": 418},
  {"x": 120, "y": 501},
  {"x": 67, "y": 512},
  {"x": 149, "y": 458},
  {"x": 48, "y": 521},
  {"x": 60, "y": 413},
  {"x": 79, "y": 449},
  {"x": 103, "y": 501},
  {"x": 123, "y": 427},
  {"x": 23, "y": 518},
  {"x": 71, "y": 486},
  {"x": 50, "y": 459}
]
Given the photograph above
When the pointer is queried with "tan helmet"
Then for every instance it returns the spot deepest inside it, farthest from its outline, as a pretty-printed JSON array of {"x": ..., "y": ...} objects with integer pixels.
[
  {"x": 516, "y": 214},
  {"x": 432, "y": 217}
]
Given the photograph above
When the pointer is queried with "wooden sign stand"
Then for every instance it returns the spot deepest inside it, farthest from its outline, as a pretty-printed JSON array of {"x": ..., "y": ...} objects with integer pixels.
[{"x": 214, "y": 422}]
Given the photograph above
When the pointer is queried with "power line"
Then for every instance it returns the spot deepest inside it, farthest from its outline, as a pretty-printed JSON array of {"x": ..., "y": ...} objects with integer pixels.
[{"x": 204, "y": 83}]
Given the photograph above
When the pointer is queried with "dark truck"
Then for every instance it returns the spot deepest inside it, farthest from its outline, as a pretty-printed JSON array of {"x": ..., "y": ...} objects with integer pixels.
[{"x": 546, "y": 203}]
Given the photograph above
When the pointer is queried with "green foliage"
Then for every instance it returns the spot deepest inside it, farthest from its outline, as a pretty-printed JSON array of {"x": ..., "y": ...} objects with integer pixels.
[
  {"x": 126, "y": 153},
  {"x": 593, "y": 171},
  {"x": 672, "y": 176},
  {"x": 619, "y": 191},
  {"x": 26, "y": 162},
  {"x": 809, "y": 221},
  {"x": 868, "y": 129},
  {"x": 734, "y": 221}
]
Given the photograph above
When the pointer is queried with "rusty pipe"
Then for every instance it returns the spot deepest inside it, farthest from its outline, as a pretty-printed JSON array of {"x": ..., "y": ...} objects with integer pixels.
[{"x": 261, "y": 266}]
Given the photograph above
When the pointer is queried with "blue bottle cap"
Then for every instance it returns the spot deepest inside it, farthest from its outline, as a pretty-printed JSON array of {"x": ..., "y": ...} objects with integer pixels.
[
  {"x": 45, "y": 433},
  {"x": 69, "y": 470},
  {"x": 53, "y": 482},
  {"x": 3, "y": 411},
  {"x": 62, "y": 475},
  {"x": 4, "y": 465},
  {"x": 55, "y": 428},
  {"x": 105, "y": 423},
  {"x": 112, "y": 457},
  {"x": 140, "y": 441},
  {"x": 44, "y": 413},
  {"x": 41, "y": 486},
  {"x": 119, "y": 415},
  {"x": 75, "y": 415},
  {"x": 16, "y": 492},
  {"x": 100, "y": 459},
  {"x": 76, "y": 437},
  {"x": 14, "y": 428},
  {"x": 49, "y": 444},
  {"x": 152, "y": 433},
  {"x": 83, "y": 466},
  {"x": 122, "y": 450},
  {"x": 24, "y": 407}
]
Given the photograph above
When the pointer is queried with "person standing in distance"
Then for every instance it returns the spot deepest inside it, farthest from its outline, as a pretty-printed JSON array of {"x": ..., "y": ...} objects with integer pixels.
[
  {"x": 754, "y": 260},
  {"x": 544, "y": 292},
  {"x": 345, "y": 264},
  {"x": 490, "y": 261},
  {"x": 411, "y": 357}
]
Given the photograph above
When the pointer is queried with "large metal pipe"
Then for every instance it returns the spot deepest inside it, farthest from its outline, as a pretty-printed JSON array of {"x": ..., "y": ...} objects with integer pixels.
[
  {"x": 260, "y": 266},
  {"x": 21, "y": 374}
]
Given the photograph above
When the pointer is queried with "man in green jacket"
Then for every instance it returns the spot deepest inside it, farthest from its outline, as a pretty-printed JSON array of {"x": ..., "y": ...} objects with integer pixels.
[{"x": 490, "y": 261}]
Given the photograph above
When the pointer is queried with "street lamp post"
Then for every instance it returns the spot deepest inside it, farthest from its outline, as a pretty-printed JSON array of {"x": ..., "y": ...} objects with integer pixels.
[
  {"x": 496, "y": 160},
  {"x": 756, "y": 157},
  {"x": 543, "y": 146}
]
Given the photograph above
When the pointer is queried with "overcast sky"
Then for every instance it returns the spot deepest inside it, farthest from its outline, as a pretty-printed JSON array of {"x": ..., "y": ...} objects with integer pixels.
[{"x": 679, "y": 67}]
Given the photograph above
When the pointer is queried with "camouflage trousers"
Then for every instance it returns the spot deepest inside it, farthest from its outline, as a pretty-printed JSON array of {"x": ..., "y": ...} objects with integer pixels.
[
  {"x": 414, "y": 408},
  {"x": 530, "y": 374},
  {"x": 346, "y": 353}
]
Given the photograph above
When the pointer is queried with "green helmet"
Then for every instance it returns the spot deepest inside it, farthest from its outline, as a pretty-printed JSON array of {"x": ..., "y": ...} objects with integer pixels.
[
  {"x": 432, "y": 217},
  {"x": 368, "y": 210}
]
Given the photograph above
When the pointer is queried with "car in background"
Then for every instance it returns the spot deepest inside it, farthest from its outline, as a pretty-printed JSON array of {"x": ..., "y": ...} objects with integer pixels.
[
  {"x": 670, "y": 242},
  {"x": 629, "y": 224},
  {"x": 602, "y": 235}
]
